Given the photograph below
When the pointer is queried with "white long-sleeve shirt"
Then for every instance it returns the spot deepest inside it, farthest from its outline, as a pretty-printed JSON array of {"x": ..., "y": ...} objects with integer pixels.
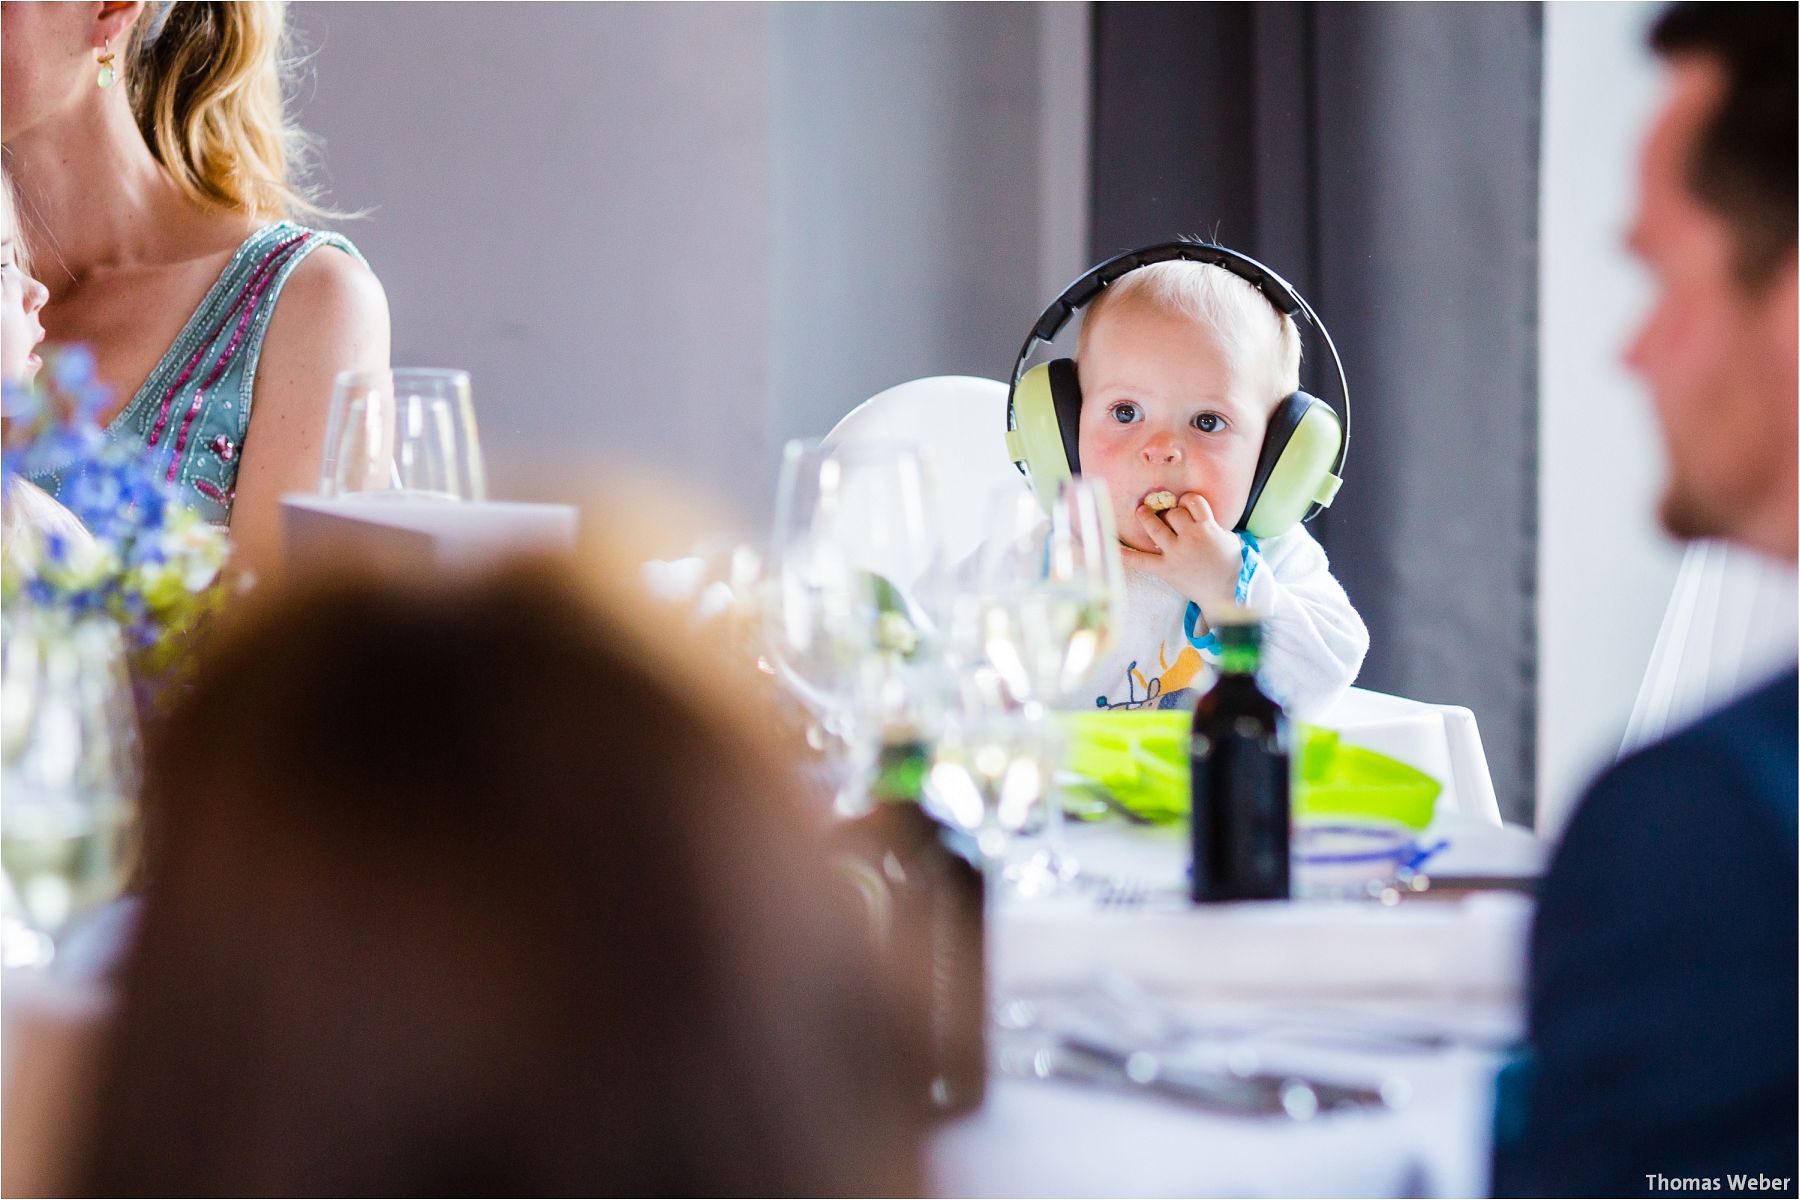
[{"x": 1312, "y": 646}]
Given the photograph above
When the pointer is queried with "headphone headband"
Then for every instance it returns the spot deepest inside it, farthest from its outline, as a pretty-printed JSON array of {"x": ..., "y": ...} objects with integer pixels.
[{"x": 1278, "y": 291}]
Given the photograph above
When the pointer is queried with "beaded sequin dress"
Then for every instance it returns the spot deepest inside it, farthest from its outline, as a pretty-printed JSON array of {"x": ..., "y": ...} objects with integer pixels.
[{"x": 193, "y": 411}]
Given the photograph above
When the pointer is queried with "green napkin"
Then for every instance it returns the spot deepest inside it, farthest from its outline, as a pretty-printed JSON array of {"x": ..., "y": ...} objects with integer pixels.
[{"x": 1140, "y": 758}]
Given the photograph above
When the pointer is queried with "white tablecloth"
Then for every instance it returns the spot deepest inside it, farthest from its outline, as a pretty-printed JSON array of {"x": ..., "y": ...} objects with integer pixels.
[
  {"x": 1290, "y": 971},
  {"x": 1455, "y": 966}
]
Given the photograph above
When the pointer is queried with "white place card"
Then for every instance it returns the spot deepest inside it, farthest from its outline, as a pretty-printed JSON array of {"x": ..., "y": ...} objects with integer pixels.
[{"x": 422, "y": 534}]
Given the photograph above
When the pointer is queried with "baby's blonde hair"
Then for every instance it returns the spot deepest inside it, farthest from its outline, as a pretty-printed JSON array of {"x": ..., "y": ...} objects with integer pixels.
[
  {"x": 1231, "y": 308},
  {"x": 204, "y": 78}
]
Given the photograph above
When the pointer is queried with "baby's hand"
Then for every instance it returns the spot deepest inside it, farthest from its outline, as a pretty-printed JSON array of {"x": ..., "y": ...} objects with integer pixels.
[{"x": 1195, "y": 555}]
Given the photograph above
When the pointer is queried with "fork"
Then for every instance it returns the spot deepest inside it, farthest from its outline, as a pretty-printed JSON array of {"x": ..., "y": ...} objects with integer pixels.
[
  {"x": 1156, "y": 1019},
  {"x": 1124, "y": 893},
  {"x": 1299, "y": 1097}
]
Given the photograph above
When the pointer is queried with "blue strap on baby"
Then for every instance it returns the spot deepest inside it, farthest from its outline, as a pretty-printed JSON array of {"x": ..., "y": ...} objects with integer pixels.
[{"x": 1250, "y": 559}]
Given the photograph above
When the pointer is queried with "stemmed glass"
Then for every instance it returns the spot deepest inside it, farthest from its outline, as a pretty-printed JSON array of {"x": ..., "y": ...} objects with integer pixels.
[
  {"x": 847, "y": 628},
  {"x": 403, "y": 434},
  {"x": 70, "y": 767},
  {"x": 991, "y": 765},
  {"x": 1051, "y": 593}
]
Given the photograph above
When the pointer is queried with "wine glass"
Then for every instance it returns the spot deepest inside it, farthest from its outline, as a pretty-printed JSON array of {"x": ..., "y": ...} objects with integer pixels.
[
  {"x": 403, "y": 434},
  {"x": 854, "y": 545},
  {"x": 991, "y": 766},
  {"x": 70, "y": 768},
  {"x": 1055, "y": 586},
  {"x": 1051, "y": 594}
]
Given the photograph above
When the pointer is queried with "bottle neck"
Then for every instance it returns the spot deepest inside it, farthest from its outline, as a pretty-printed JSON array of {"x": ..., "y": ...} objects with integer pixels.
[
  {"x": 900, "y": 771},
  {"x": 1239, "y": 659}
]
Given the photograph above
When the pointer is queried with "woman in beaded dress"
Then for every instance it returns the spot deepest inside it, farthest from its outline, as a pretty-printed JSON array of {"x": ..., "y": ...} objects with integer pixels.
[{"x": 152, "y": 157}]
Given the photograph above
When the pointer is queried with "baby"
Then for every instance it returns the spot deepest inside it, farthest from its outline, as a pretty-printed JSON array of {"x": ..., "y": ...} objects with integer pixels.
[
  {"x": 25, "y": 506},
  {"x": 21, "y": 300},
  {"x": 1181, "y": 365}
]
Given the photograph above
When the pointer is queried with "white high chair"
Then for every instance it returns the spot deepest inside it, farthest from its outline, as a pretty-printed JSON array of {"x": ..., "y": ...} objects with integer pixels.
[
  {"x": 958, "y": 422},
  {"x": 1441, "y": 740}
]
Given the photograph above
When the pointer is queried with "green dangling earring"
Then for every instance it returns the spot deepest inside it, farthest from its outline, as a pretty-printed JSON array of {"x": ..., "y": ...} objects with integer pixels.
[{"x": 107, "y": 74}]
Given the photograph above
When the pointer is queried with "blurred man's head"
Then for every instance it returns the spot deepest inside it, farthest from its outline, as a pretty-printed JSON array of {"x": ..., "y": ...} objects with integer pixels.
[{"x": 1715, "y": 225}]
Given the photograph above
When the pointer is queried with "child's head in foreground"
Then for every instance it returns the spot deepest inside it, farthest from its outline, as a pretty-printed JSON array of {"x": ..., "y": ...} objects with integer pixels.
[
  {"x": 1181, "y": 364},
  {"x": 21, "y": 298}
]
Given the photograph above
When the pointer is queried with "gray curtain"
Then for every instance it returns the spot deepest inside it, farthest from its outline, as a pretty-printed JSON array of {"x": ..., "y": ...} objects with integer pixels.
[{"x": 1384, "y": 158}]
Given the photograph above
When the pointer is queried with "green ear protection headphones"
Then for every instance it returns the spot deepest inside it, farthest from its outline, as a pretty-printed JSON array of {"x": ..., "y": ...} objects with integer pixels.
[{"x": 1300, "y": 468}]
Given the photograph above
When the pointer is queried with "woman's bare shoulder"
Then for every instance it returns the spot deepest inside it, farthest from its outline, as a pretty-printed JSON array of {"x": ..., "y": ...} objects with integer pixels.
[
  {"x": 329, "y": 293},
  {"x": 332, "y": 316}
]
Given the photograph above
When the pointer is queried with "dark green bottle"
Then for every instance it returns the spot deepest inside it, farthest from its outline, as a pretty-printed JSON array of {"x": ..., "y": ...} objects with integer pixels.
[
  {"x": 1240, "y": 759},
  {"x": 926, "y": 898}
]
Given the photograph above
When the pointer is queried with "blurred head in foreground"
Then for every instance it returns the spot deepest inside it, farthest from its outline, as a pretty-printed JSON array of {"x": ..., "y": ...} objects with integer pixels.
[
  {"x": 464, "y": 889},
  {"x": 1715, "y": 225}
]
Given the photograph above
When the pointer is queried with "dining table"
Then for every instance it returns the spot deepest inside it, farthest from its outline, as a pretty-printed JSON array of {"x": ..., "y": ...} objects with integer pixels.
[
  {"x": 1409, "y": 998},
  {"x": 1144, "y": 1045}
]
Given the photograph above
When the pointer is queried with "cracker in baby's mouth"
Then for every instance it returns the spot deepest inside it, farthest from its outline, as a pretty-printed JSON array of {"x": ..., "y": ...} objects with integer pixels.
[{"x": 1160, "y": 501}]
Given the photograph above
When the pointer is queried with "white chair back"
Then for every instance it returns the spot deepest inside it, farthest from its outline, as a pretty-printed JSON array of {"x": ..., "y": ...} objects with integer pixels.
[
  {"x": 1731, "y": 623},
  {"x": 1441, "y": 740},
  {"x": 958, "y": 422}
]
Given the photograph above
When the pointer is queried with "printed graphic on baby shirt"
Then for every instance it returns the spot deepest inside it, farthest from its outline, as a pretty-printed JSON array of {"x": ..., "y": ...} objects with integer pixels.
[{"x": 1169, "y": 688}]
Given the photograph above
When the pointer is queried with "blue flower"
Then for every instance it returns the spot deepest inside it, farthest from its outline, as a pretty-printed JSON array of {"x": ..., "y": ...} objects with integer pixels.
[
  {"x": 72, "y": 371},
  {"x": 21, "y": 404},
  {"x": 153, "y": 563}
]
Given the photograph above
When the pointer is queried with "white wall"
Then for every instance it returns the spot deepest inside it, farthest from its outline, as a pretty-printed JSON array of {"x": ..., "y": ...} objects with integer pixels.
[
  {"x": 669, "y": 236},
  {"x": 914, "y": 146},
  {"x": 571, "y": 201},
  {"x": 1065, "y": 99},
  {"x": 1605, "y": 570}
]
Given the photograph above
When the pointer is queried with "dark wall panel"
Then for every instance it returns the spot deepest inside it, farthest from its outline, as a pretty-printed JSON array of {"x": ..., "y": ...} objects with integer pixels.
[{"x": 1172, "y": 123}]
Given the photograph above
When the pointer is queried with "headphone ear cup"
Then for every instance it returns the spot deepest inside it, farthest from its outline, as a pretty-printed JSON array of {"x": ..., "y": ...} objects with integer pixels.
[
  {"x": 1065, "y": 391},
  {"x": 1293, "y": 478},
  {"x": 1045, "y": 420}
]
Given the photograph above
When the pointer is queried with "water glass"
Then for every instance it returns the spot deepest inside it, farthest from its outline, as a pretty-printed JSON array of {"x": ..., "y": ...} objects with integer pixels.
[
  {"x": 1044, "y": 611},
  {"x": 403, "y": 434},
  {"x": 853, "y": 547},
  {"x": 991, "y": 766},
  {"x": 70, "y": 774},
  {"x": 1055, "y": 588},
  {"x": 873, "y": 501}
]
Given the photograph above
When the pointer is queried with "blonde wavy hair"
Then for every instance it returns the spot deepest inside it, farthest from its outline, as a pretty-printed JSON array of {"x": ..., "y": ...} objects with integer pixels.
[{"x": 205, "y": 78}]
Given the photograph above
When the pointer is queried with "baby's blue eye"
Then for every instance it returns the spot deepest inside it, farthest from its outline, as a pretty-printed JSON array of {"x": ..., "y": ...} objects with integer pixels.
[
  {"x": 1124, "y": 412},
  {"x": 1209, "y": 422}
]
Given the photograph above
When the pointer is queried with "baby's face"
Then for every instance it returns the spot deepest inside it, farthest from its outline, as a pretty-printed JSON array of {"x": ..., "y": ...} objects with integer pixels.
[
  {"x": 1166, "y": 407},
  {"x": 21, "y": 298}
]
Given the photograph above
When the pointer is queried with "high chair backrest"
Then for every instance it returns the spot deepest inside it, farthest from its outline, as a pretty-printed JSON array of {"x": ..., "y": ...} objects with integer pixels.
[
  {"x": 1441, "y": 740},
  {"x": 958, "y": 422}
]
